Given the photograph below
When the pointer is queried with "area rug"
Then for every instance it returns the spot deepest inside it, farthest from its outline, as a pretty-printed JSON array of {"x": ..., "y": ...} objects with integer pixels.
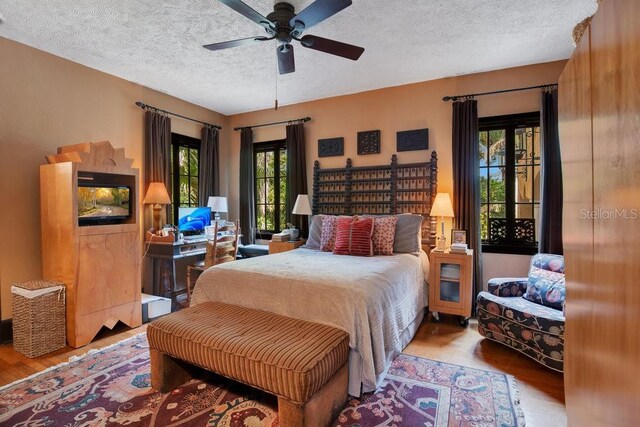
[
  {"x": 111, "y": 386},
  {"x": 426, "y": 393}
]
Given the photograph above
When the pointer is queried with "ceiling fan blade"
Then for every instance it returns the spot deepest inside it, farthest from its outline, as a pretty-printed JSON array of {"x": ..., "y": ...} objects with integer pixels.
[
  {"x": 286, "y": 61},
  {"x": 317, "y": 12},
  {"x": 248, "y": 12},
  {"x": 332, "y": 47},
  {"x": 235, "y": 43}
]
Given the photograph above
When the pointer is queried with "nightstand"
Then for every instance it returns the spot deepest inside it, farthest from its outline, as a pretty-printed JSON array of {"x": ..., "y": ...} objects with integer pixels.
[
  {"x": 277, "y": 247},
  {"x": 451, "y": 284}
]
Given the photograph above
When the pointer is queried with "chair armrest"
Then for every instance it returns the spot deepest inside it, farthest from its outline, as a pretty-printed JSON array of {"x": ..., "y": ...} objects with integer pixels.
[{"x": 508, "y": 286}]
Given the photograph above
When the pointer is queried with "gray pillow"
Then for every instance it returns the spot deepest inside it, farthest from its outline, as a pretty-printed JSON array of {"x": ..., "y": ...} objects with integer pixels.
[
  {"x": 315, "y": 233},
  {"x": 408, "y": 238}
]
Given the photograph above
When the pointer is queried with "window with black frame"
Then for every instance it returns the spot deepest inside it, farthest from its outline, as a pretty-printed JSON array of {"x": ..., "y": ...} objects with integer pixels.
[
  {"x": 510, "y": 183},
  {"x": 185, "y": 155},
  {"x": 270, "y": 167}
]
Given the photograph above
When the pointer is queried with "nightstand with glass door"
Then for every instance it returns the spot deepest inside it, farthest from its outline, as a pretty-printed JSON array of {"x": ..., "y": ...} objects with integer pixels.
[{"x": 451, "y": 284}]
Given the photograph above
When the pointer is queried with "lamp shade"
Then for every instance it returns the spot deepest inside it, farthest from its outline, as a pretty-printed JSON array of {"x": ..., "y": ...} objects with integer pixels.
[
  {"x": 157, "y": 194},
  {"x": 442, "y": 206},
  {"x": 218, "y": 204},
  {"x": 302, "y": 206}
]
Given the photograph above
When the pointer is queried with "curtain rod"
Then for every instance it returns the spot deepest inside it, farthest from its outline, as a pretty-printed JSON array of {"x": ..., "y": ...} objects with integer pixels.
[
  {"x": 303, "y": 120},
  {"x": 149, "y": 107},
  {"x": 472, "y": 95}
]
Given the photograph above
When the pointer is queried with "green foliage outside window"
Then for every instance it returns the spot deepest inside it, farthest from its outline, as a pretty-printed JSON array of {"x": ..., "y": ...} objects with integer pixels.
[
  {"x": 185, "y": 156},
  {"x": 271, "y": 186}
]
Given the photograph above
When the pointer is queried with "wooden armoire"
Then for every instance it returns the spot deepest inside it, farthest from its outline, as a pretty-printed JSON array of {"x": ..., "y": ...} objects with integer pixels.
[
  {"x": 100, "y": 262},
  {"x": 599, "y": 113}
]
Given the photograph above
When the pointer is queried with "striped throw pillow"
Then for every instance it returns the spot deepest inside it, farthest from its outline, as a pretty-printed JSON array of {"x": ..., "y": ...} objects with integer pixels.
[{"x": 353, "y": 237}]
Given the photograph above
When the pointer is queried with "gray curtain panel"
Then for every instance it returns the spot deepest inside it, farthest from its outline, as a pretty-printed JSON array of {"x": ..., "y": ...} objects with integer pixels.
[
  {"x": 208, "y": 165},
  {"x": 157, "y": 153},
  {"x": 247, "y": 188},
  {"x": 466, "y": 182},
  {"x": 296, "y": 175},
  {"x": 550, "y": 233}
]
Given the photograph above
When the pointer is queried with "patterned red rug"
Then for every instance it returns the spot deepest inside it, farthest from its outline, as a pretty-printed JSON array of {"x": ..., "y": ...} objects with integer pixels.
[{"x": 111, "y": 386}]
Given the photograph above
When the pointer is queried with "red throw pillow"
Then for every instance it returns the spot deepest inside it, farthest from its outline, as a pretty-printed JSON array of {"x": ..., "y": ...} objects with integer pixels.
[
  {"x": 353, "y": 237},
  {"x": 328, "y": 232}
]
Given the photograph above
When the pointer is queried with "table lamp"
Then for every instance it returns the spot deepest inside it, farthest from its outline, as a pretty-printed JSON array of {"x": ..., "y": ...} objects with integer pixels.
[
  {"x": 301, "y": 207},
  {"x": 442, "y": 207},
  {"x": 217, "y": 204},
  {"x": 157, "y": 196}
]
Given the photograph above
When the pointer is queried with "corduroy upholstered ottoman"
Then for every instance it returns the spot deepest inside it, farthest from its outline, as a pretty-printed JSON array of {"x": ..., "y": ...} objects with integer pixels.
[{"x": 303, "y": 363}]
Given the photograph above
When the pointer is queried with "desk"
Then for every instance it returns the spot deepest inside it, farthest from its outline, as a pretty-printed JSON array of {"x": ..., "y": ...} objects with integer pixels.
[{"x": 169, "y": 266}]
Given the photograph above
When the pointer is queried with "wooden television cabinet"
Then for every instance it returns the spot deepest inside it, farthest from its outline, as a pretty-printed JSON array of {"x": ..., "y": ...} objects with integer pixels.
[{"x": 99, "y": 264}]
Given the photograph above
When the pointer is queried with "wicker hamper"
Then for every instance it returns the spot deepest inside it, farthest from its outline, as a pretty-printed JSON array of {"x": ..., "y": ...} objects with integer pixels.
[{"x": 38, "y": 317}]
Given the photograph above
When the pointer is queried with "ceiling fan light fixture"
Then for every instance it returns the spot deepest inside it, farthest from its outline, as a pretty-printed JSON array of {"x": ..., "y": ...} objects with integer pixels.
[{"x": 284, "y": 25}]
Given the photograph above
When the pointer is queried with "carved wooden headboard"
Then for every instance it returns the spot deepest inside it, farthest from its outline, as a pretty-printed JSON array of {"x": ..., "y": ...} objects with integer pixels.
[{"x": 379, "y": 190}]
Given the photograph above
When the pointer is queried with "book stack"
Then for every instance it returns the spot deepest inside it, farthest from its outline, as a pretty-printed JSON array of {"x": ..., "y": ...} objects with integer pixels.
[
  {"x": 458, "y": 248},
  {"x": 281, "y": 237}
]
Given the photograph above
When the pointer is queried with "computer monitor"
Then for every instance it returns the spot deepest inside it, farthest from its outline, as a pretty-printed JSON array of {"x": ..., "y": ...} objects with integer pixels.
[{"x": 193, "y": 220}]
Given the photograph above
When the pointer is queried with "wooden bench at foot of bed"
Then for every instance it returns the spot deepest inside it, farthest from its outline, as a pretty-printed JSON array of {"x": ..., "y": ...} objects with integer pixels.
[{"x": 304, "y": 364}]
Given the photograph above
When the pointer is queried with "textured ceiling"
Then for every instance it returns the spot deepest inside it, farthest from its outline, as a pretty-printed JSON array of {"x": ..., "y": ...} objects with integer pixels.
[{"x": 158, "y": 44}]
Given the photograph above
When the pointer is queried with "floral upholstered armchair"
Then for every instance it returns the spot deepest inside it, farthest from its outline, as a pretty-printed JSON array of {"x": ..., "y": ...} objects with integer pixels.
[{"x": 526, "y": 314}]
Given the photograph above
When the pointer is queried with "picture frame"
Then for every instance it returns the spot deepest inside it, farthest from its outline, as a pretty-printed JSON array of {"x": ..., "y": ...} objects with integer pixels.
[
  {"x": 369, "y": 142},
  {"x": 459, "y": 236},
  {"x": 412, "y": 140},
  {"x": 330, "y": 147}
]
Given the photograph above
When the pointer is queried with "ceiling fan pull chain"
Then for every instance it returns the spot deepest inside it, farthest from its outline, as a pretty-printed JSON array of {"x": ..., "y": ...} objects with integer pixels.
[{"x": 276, "y": 74}]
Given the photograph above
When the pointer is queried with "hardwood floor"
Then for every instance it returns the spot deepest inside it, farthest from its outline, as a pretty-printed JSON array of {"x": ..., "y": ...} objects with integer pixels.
[{"x": 541, "y": 390}]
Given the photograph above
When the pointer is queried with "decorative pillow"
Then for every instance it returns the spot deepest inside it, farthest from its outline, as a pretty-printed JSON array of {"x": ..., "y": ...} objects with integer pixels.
[
  {"x": 546, "y": 292},
  {"x": 315, "y": 233},
  {"x": 408, "y": 237},
  {"x": 552, "y": 276},
  {"x": 353, "y": 237},
  {"x": 328, "y": 235},
  {"x": 548, "y": 262},
  {"x": 384, "y": 231}
]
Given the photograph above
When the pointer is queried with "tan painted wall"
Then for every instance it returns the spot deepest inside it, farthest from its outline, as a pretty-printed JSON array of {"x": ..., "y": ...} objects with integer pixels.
[
  {"x": 390, "y": 110},
  {"x": 46, "y": 102},
  {"x": 401, "y": 108}
]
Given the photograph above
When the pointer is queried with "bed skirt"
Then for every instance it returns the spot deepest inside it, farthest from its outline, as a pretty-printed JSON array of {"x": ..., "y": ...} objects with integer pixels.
[{"x": 357, "y": 383}]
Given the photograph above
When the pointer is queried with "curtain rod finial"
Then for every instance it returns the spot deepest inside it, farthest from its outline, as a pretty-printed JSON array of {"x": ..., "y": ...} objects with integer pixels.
[{"x": 140, "y": 104}]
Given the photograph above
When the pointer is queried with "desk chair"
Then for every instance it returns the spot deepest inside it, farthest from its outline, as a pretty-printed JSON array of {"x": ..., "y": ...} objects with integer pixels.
[{"x": 223, "y": 248}]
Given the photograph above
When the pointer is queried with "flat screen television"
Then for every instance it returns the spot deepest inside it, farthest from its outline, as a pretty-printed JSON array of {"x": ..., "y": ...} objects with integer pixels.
[
  {"x": 103, "y": 204},
  {"x": 193, "y": 220}
]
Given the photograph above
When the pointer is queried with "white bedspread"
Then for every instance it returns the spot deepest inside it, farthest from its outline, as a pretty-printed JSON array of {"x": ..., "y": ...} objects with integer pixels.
[{"x": 374, "y": 299}]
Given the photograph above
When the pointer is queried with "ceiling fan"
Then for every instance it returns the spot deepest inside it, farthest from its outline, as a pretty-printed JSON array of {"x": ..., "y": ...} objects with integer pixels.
[{"x": 284, "y": 25}]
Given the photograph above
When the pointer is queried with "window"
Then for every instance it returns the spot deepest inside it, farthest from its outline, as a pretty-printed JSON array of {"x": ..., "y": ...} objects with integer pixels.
[
  {"x": 185, "y": 154},
  {"x": 510, "y": 183},
  {"x": 270, "y": 167}
]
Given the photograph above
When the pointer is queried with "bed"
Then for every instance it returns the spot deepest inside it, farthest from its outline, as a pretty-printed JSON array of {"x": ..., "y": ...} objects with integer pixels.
[{"x": 378, "y": 300}]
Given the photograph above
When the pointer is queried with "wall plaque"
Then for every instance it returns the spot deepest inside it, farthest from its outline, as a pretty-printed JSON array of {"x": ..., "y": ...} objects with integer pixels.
[
  {"x": 410, "y": 140},
  {"x": 331, "y": 147},
  {"x": 369, "y": 142}
]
